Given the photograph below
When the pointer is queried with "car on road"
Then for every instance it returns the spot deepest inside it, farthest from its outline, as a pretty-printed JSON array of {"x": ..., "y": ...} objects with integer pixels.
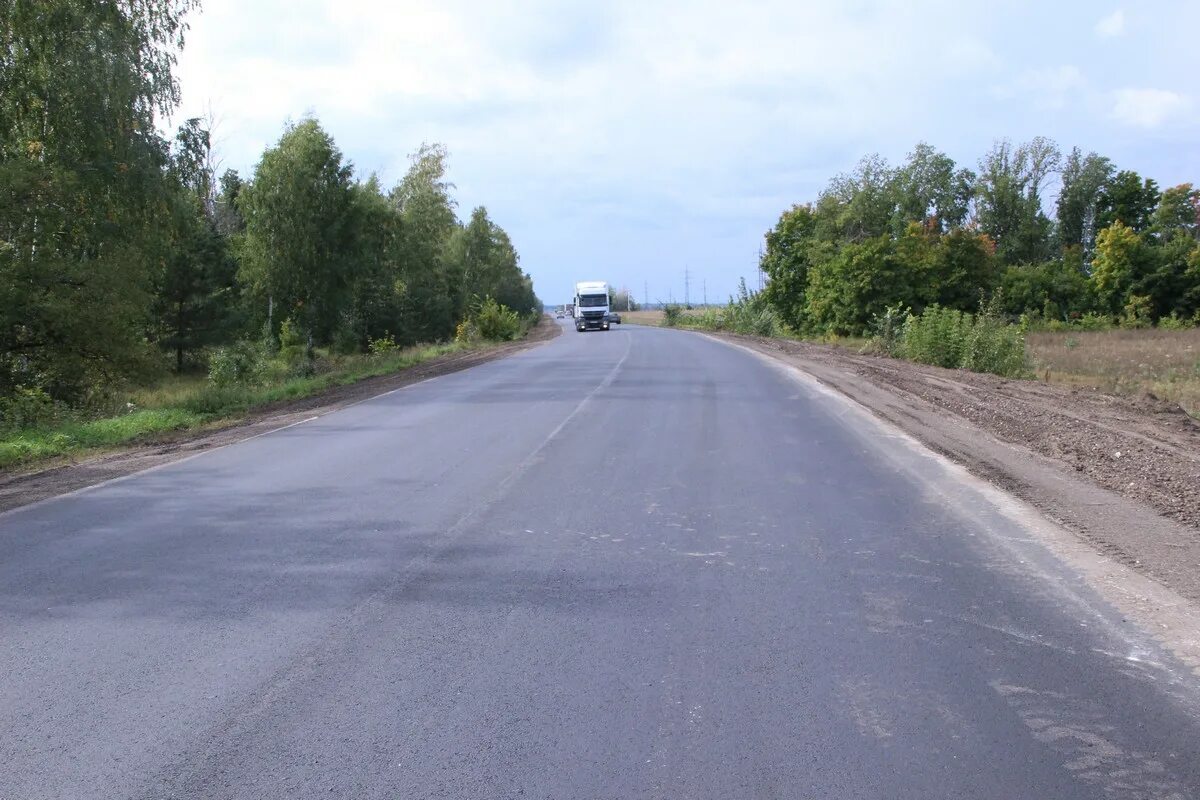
[{"x": 614, "y": 318}]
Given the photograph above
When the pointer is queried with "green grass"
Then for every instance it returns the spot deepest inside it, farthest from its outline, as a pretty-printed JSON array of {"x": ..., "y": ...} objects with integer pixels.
[
  {"x": 192, "y": 401},
  {"x": 28, "y": 445}
]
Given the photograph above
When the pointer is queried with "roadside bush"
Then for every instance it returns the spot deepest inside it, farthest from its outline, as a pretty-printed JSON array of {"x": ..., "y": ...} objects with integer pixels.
[
  {"x": 887, "y": 332},
  {"x": 938, "y": 337},
  {"x": 749, "y": 313},
  {"x": 672, "y": 314},
  {"x": 384, "y": 345},
  {"x": 466, "y": 332},
  {"x": 995, "y": 346},
  {"x": 28, "y": 407},
  {"x": 751, "y": 318},
  {"x": 943, "y": 337},
  {"x": 239, "y": 364},
  {"x": 496, "y": 322},
  {"x": 712, "y": 319}
]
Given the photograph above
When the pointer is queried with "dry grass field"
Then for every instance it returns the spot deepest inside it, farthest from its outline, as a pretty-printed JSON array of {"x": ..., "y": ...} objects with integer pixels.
[
  {"x": 651, "y": 317},
  {"x": 1162, "y": 363}
]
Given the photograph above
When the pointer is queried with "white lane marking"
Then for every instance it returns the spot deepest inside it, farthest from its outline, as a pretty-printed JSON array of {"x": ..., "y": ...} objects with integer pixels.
[
  {"x": 91, "y": 487},
  {"x": 145, "y": 470},
  {"x": 1161, "y": 614}
]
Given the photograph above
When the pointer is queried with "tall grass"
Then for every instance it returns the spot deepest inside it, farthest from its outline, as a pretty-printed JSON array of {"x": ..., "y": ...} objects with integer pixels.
[
  {"x": 747, "y": 313},
  {"x": 1161, "y": 362},
  {"x": 946, "y": 337}
]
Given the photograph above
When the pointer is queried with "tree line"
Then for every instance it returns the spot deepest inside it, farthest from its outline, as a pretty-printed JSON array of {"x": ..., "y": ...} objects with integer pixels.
[
  {"x": 1110, "y": 245},
  {"x": 123, "y": 254}
]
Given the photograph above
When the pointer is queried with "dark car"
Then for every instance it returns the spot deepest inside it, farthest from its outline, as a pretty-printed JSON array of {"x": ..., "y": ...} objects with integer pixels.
[{"x": 614, "y": 318}]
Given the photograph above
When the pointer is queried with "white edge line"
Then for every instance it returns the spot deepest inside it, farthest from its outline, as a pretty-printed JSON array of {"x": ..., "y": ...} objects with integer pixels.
[
  {"x": 172, "y": 462},
  {"x": 1162, "y": 614}
]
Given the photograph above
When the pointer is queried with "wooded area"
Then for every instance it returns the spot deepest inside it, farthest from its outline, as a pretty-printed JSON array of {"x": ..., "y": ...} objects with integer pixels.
[
  {"x": 124, "y": 256},
  {"x": 1111, "y": 249}
]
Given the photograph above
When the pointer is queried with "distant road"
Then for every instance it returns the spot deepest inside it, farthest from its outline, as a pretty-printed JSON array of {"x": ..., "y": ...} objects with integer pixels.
[{"x": 633, "y": 564}]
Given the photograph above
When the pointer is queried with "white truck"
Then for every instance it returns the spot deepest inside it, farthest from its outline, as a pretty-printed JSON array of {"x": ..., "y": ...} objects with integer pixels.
[{"x": 591, "y": 306}]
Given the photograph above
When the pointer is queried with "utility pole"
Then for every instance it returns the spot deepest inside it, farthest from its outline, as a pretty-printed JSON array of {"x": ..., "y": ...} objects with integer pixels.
[
  {"x": 687, "y": 295},
  {"x": 762, "y": 278},
  {"x": 645, "y": 295},
  {"x": 706, "y": 292}
]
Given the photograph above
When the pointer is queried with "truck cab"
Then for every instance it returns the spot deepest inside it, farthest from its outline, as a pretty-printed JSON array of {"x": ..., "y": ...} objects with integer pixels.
[{"x": 591, "y": 306}]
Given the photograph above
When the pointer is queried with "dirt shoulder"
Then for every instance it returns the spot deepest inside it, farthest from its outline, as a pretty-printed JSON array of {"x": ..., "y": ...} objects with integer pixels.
[
  {"x": 1121, "y": 473},
  {"x": 21, "y": 488}
]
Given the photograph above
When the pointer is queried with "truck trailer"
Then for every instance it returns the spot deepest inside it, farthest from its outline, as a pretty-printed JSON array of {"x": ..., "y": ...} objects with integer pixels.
[{"x": 591, "y": 306}]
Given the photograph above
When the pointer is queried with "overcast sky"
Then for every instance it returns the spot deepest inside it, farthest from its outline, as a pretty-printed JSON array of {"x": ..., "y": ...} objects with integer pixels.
[{"x": 623, "y": 141}]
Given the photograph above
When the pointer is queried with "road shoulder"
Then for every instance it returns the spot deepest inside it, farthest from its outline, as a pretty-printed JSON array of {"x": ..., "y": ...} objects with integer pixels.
[
  {"x": 968, "y": 469},
  {"x": 23, "y": 488}
]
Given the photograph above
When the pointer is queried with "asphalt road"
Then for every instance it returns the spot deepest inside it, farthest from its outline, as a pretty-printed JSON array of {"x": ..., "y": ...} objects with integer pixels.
[{"x": 634, "y": 564}]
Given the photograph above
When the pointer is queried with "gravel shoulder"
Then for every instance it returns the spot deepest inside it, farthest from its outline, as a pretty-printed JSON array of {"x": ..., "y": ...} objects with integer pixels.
[
  {"x": 19, "y": 488},
  {"x": 1123, "y": 474}
]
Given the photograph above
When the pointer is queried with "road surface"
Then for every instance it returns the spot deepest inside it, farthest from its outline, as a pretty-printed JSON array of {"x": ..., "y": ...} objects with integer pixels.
[{"x": 634, "y": 564}]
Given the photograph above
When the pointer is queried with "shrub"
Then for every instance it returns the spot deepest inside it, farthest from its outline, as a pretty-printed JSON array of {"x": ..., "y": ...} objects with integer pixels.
[
  {"x": 985, "y": 342},
  {"x": 1175, "y": 323},
  {"x": 749, "y": 313},
  {"x": 995, "y": 346},
  {"x": 887, "y": 332},
  {"x": 672, "y": 314},
  {"x": 1092, "y": 321},
  {"x": 938, "y": 337},
  {"x": 1137, "y": 312},
  {"x": 711, "y": 319},
  {"x": 466, "y": 332},
  {"x": 27, "y": 407},
  {"x": 384, "y": 345},
  {"x": 239, "y": 364},
  {"x": 493, "y": 321}
]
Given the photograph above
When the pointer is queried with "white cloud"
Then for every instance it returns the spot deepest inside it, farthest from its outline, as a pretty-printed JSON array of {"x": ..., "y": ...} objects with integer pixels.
[
  {"x": 1112, "y": 25},
  {"x": 1049, "y": 88},
  {"x": 1147, "y": 108}
]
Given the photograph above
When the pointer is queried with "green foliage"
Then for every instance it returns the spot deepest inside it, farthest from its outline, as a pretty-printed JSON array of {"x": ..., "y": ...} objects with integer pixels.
[
  {"x": 299, "y": 215},
  {"x": 1128, "y": 199},
  {"x": 383, "y": 346},
  {"x": 880, "y": 237},
  {"x": 786, "y": 262},
  {"x": 984, "y": 342},
  {"x": 1136, "y": 313},
  {"x": 672, "y": 314},
  {"x": 1119, "y": 258},
  {"x": 859, "y": 281},
  {"x": 994, "y": 345},
  {"x": 34, "y": 443},
  {"x": 241, "y": 363},
  {"x": 749, "y": 313},
  {"x": 1175, "y": 323},
  {"x": 1083, "y": 178},
  {"x": 118, "y": 248},
  {"x": 495, "y": 322},
  {"x": 887, "y": 332},
  {"x": 28, "y": 407},
  {"x": 939, "y": 336},
  {"x": 83, "y": 176},
  {"x": 195, "y": 406}
]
